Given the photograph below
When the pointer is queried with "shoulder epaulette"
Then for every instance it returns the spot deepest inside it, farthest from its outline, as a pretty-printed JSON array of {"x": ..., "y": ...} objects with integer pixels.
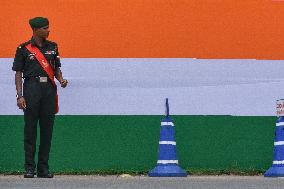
[
  {"x": 24, "y": 44},
  {"x": 51, "y": 42}
]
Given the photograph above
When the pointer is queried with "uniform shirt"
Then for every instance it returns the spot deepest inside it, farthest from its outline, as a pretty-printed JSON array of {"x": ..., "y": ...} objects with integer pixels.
[{"x": 27, "y": 63}]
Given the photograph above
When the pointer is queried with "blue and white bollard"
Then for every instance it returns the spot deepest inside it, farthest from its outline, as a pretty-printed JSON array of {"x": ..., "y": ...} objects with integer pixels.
[
  {"x": 167, "y": 164},
  {"x": 277, "y": 168}
]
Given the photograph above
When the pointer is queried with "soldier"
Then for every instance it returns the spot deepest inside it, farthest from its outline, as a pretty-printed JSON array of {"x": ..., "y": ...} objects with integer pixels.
[{"x": 37, "y": 62}]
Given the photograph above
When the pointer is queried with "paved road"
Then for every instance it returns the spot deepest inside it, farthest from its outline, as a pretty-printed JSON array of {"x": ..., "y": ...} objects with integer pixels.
[{"x": 142, "y": 182}]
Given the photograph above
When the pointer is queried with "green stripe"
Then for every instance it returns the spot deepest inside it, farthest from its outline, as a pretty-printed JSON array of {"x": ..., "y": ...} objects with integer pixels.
[{"x": 129, "y": 143}]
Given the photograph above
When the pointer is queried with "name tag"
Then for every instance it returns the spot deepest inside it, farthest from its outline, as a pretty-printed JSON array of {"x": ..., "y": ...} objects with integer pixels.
[
  {"x": 43, "y": 79},
  {"x": 49, "y": 52}
]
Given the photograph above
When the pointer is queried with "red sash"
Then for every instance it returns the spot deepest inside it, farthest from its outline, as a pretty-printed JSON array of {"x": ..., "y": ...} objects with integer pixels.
[{"x": 45, "y": 65}]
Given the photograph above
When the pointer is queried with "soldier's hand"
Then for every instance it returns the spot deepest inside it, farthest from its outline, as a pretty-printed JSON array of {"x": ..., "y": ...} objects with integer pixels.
[
  {"x": 21, "y": 103},
  {"x": 63, "y": 83}
]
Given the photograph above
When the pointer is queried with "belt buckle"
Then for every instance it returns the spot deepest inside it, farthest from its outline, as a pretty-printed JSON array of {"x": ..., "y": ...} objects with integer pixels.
[{"x": 42, "y": 79}]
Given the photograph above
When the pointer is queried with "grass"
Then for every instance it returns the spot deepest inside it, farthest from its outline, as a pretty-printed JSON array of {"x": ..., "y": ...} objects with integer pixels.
[{"x": 197, "y": 172}]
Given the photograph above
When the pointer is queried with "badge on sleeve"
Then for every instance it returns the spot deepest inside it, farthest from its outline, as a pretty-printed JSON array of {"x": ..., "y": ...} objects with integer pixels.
[{"x": 31, "y": 56}]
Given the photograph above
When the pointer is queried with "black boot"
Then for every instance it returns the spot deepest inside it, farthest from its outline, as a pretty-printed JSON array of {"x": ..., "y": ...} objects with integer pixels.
[
  {"x": 30, "y": 173},
  {"x": 44, "y": 174}
]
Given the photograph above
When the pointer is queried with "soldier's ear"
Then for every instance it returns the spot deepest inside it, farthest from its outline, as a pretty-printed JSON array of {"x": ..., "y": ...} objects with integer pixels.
[{"x": 34, "y": 29}]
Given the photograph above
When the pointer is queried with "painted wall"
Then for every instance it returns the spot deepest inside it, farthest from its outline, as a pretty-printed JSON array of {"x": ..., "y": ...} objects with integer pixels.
[
  {"x": 139, "y": 86},
  {"x": 110, "y": 115},
  {"x": 151, "y": 28},
  {"x": 113, "y": 144},
  {"x": 220, "y": 29}
]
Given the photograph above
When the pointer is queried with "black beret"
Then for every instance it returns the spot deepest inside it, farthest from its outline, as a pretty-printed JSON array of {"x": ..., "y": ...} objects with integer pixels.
[{"x": 38, "y": 22}]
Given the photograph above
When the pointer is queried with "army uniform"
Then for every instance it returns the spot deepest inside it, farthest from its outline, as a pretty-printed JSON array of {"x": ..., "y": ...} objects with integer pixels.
[{"x": 40, "y": 96}]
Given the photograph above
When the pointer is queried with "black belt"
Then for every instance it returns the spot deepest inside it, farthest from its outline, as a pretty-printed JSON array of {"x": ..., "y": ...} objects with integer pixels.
[{"x": 41, "y": 79}]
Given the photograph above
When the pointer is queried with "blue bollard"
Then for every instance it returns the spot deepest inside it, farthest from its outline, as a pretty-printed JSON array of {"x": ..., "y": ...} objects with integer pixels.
[
  {"x": 167, "y": 164},
  {"x": 277, "y": 168}
]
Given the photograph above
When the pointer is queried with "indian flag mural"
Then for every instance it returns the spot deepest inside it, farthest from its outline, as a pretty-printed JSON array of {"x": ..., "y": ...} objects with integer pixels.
[{"x": 220, "y": 63}]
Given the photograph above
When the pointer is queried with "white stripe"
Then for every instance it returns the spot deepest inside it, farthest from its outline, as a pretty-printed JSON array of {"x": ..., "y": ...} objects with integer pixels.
[
  {"x": 278, "y": 162},
  {"x": 167, "y": 142},
  {"x": 167, "y": 161},
  {"x": 167, "y": 124},
  {"x": 279, "y": 124},
  {"x": 278, "y": 143},
  {"x": 130, "y": 86}
]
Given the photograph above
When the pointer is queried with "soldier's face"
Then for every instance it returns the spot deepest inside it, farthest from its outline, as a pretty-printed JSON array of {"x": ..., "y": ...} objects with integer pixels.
[{"x": 42, "y": 32}]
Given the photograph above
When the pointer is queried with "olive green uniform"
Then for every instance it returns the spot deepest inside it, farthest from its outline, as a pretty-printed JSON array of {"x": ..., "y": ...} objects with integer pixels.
[{"x": 40, "y": 100}]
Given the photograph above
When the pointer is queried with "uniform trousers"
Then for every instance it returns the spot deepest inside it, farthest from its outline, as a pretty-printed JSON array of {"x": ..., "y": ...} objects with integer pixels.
[{"x": 40, "y": 100}]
